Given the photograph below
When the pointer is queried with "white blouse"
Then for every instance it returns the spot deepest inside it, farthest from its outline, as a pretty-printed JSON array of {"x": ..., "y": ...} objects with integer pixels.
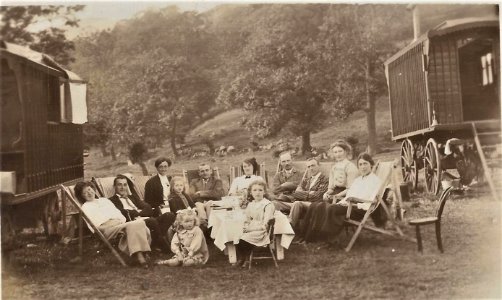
[
  {"x": 242, "y": 183},
  {"x": 365, "y": 188},
  {"x": 100, "y": 211}
]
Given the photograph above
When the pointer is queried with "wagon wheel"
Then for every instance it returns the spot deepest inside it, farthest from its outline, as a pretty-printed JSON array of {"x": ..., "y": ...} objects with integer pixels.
[
  {"x": 432, "y": 164},
  {"x": 409, "y": 163}
]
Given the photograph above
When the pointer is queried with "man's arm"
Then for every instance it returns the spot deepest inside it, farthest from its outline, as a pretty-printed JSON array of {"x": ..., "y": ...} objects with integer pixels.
[
  {"x": 322, "y": 187},
  {"x": 215, "y": 193}
]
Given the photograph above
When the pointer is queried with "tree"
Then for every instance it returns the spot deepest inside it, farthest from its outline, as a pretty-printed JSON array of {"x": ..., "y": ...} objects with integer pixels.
[
  {"x": 284, "y": 77},
  {"x": 21, "y": 22},
  {"x": 368, "y": 39}
]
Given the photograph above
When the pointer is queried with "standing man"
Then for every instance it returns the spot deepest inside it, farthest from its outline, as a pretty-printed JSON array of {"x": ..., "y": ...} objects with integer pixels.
[
  {"x": 311, "y": 189},
  {"x": 133, "y": 208},
  {"x": 206, "y": 188},
  {"x": 285, "y": 183}
]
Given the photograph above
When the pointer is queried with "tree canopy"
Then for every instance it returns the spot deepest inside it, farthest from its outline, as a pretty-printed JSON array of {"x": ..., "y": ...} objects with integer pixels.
[
  {"x": 291, "y": 67},
  {"x": 42, "y": 28}
]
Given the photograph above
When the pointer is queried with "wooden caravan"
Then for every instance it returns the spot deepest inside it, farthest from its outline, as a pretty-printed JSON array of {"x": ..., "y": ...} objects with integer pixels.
[
  {"x": 43, "y": 109},
  {"x": 445, "y": 85}
]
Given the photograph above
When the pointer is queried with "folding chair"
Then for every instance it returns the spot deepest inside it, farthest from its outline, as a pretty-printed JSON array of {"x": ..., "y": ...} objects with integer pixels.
[
  {"x": 139, "y": 186},
  {"x": 384, "y": 171},
  {"x": 104, "y": 186},
  {"x": 189, "y": 175},
  {"x": 68, "y": 194},
  {"x": 236, "y": 171},
  {"x": 270, "y": 246}
]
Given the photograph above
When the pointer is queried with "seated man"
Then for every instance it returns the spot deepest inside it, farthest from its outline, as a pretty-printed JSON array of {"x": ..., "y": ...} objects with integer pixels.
[
  {"x": 205, "y": 188},
  {"x": 133, "y": 209},
  {"x": 285, "y": 183},
  {"x": 311, "y": 189}
]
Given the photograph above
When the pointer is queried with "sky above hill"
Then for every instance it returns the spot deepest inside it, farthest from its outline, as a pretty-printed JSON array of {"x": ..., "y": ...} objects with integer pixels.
[{"x": 100, "y": 15}]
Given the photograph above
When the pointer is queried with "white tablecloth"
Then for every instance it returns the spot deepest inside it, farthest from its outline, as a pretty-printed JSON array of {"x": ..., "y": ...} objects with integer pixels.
[{"x": 227, "y": 226}]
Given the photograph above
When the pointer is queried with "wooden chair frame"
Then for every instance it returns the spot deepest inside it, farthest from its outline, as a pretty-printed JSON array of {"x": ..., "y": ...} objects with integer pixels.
[
  {"x": 188, "y": 175},
  {"x": 236, "y": 171},
  {"x": 432, "y": 220},
  {"x": 270, "y": 246},
  {"x": 67, "y": 195},
  {"x": 397, "y": 232}
]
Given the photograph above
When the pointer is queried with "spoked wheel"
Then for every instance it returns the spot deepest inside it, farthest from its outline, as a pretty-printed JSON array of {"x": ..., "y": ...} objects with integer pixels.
[
  {"x": 409, "y": 163},
  {"x": 432, "y": 164}
]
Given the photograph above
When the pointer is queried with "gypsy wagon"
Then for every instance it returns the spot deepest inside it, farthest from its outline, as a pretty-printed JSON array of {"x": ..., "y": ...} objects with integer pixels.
[
  {"x": 445, "y": 85},
  {"x": 43, "y": 107}
]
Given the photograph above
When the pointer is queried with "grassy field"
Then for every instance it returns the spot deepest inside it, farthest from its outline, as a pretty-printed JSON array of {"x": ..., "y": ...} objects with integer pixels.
[{"x": 378, "y": 267}]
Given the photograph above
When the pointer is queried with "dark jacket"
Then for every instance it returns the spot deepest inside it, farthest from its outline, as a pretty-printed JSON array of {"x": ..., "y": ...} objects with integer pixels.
[
  {"x": 154, "y": 194},
  {"x": 213, "y": 191},
  {"x": 144, "y": 209},
  {"x": 175, "y": 202}
]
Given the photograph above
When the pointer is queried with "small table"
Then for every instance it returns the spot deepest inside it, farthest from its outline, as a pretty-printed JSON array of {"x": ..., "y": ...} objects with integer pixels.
[{"x": 227, "y": 228}]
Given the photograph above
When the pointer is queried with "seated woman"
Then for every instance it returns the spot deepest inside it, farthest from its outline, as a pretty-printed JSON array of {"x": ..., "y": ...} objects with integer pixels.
[
  {"x": 341, "y": 176},
  {"x": 364, "y": 187},
  {"x": 157, "y": 188},
  {"x": 110, "y": 221},
  {"x": 258, "y": 213},
  {"x": 241, "y": 183}
]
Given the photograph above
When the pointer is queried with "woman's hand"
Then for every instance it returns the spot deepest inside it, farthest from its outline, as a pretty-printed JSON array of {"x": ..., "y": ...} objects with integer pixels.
[{"x": 326, "y": 197}]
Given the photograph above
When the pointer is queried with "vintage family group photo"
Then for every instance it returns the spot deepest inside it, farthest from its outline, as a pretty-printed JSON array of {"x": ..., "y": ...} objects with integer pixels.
[{"x": 258, "y": 150}]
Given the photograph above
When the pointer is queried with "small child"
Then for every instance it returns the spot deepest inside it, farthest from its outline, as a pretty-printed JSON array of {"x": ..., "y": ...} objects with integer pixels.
[
  {"x": 178, "y": 199},
  {"x": 188, "y": 243}
]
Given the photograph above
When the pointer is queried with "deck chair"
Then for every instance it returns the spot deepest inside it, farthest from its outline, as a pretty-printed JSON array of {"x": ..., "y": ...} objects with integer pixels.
[
  {"x": 189, "y": 175},
  {"x": 68, "y": 195},
  {"x": 384, "y": 171},
  {"x": 139, "y": 185},
  {"x": 269, "y": 247},
  {"x": 236, "y": 171}
]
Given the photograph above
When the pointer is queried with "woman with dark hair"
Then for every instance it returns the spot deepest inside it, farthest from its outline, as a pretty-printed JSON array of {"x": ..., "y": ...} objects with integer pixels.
[
  {"x": 157, "y": 188},
  {"x": 240, "y": 184},
  {"x": 365, "y": 188},
  {"x": 110, "y": 221}
]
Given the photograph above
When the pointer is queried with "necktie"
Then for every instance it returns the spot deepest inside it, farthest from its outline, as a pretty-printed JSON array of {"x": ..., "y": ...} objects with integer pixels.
[
  {"x": 248, "y": 176},
  {"x": 204, "y": 183}
]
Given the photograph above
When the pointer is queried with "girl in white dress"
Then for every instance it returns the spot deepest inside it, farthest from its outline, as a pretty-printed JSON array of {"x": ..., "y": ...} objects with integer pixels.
[{"x": 258, "y": 214}]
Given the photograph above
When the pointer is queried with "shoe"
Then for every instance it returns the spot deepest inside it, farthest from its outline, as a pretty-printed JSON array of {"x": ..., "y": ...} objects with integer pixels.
[
  {"x": 245, "y": 264},
  {"x": 239, "y": 263},
  {"x": 298, "y": 240}
]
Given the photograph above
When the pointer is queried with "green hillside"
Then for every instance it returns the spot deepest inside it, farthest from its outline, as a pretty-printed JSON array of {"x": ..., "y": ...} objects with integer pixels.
[{"x": 228, "y": 131}]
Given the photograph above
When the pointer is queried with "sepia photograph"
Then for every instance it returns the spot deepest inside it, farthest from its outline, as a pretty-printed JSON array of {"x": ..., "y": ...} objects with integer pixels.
[{"x": 250, "y": 150}]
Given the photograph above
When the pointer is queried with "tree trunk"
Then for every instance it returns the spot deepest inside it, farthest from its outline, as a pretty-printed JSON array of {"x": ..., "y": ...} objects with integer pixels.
[
  {"x": 173, "y": 134},
  {"x": 306, "y": 147},
  {"x": 370, "y": 109},
  {"x": 113, "y": 154},
  {"x": 144, "y": 169},
  {"x": 210, "y": 145},
  {"x": 103, "y": 150}
]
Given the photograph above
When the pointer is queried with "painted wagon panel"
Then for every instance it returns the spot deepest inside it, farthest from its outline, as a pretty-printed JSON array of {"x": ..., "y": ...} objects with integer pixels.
[{"x": 407, "y": 92}]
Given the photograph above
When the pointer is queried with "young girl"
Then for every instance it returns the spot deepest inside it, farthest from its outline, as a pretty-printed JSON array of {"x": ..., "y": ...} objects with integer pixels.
[
  {"x": 258, "y": 213},
  {"x": 188, "y": 243},
  {"x": 179, "y": 199}
]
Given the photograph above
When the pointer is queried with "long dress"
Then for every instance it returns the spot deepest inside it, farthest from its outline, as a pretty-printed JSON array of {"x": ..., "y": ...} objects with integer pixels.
[
  {"x": 110, "y": 221},
  {"x": 341, "y": 176},
  {"x": 258, "y": 214}
]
